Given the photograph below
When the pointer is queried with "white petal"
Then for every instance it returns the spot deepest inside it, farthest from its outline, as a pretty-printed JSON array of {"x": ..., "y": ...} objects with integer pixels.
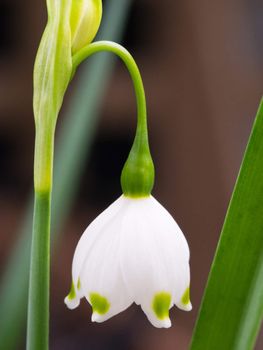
[
  {"x": 71, "y": 303},
  {"x": 85, "y": 244},
  {"x": 101, "y": 274},
  {"x": 172, "y": 248},
  {"x": 88, "y": 238},
  {"x": 159, "y": 259},
  {"x": 184, "y": 302},
  {"x": 72, "y": 299},
  {"x": 156, "y": 322}
]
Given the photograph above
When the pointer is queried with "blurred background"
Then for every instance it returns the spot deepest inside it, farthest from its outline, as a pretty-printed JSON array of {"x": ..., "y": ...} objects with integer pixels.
[{"x": 202, "y": 65}]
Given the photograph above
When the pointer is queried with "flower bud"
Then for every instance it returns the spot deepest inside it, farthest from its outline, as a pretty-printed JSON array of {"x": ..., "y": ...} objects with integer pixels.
[{"x": 85, "y": 20}]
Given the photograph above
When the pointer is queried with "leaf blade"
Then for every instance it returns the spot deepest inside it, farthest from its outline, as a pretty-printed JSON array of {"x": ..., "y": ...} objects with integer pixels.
[{"x": 232, "y": 307}]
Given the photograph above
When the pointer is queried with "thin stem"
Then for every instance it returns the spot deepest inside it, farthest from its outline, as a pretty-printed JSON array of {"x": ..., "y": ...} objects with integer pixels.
[
  {"x": 39, "y": 278},
  {"x": 132, "y": 68},
  {"x": 44, "y": 154},
  {"x": 137, "y": 176},
  {"x": 38, "y": 304}
]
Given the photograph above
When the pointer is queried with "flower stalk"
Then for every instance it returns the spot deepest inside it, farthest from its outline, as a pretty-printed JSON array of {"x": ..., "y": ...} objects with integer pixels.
[
  {"x": 134, "y": 251},
  {"x": 38, "y": 306},
  {"x": 137, "y": 177},
  {"x": 52, "y": 73}
]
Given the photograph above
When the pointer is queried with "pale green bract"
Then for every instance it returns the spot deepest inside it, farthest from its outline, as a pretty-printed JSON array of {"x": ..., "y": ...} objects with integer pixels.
[
  {"x": 71, "y": 26},
  {"x": 84, "y": 22}
]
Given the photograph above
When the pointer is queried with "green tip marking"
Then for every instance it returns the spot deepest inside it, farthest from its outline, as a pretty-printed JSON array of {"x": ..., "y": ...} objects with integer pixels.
[
  {"x": 186, "y": 297},
  {"x": 161, "y": 304},
  {"x": 99, "y": 303},
  {"x": 72, "y": 293},
  {"x": 79, "y": 284}
]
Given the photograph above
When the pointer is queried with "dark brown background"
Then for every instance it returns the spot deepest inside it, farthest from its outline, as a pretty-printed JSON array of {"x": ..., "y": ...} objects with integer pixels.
[{"x": 202, "y": 64}]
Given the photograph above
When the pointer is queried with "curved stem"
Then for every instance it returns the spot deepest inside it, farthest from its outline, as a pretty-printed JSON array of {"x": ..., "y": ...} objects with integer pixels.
[
  {"x": 137, "y": 176},
  {"x": 132, "y": 67}
]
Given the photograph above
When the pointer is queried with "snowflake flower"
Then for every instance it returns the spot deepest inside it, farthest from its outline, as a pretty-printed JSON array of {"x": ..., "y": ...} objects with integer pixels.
[{"x": 133, "y": 252}]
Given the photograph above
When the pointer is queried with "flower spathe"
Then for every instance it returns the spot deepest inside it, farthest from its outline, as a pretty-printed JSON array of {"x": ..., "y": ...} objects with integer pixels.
[
  {"x": 133, "y": 252},
  {"x": 85, "y": 18}
]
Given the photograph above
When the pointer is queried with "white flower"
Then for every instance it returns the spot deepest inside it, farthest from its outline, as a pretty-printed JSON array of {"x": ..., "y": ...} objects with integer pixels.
[{"x": 133, "y": 252}]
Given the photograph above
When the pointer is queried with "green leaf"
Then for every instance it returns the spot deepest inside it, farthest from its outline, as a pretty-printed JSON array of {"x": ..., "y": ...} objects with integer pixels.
[
  {"x": 232, "y": 307},
  {"x": 77, "y": 131}
]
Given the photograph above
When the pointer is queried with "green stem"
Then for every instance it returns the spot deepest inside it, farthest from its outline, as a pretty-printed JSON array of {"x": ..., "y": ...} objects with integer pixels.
[
  {"x": 38, "y": 299},
  {"x": 132, "y": 67},
  {"x": 137, "y": 177}
]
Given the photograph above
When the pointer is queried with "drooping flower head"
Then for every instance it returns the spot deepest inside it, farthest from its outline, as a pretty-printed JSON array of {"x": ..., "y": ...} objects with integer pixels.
[{"x": 134, "y": 251}]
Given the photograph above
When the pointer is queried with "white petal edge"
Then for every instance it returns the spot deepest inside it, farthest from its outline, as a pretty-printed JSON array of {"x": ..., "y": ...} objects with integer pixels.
[
  {"x": 84, "y": 245},
  {"x": 101, "y": 272}
]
